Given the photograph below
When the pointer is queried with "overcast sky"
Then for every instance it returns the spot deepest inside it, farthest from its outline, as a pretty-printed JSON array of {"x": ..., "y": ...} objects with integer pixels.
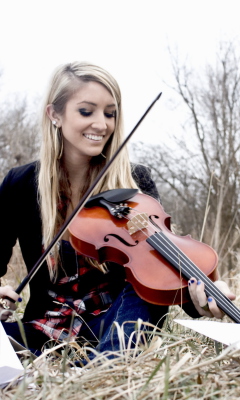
[{"x": 128, "y": 37}]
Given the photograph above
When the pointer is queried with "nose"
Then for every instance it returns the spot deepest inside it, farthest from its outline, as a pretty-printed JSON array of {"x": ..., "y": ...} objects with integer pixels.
[{"x": 99, "y": 123}]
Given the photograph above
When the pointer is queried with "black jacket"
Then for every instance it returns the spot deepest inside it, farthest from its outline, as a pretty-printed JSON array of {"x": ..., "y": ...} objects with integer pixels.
[{"x": 21, "y": 220}]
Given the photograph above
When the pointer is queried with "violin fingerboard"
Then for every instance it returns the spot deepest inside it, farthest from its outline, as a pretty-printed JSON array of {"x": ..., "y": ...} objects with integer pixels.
[{"x": 178, "y": 259}]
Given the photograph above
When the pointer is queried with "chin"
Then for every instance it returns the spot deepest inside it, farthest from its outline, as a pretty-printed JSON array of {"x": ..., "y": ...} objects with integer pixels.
[{"x": 94, "y": 154}]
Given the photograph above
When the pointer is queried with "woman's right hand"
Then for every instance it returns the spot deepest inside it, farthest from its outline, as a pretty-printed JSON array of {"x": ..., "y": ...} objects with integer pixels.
[{"x": 7, "y": 306}]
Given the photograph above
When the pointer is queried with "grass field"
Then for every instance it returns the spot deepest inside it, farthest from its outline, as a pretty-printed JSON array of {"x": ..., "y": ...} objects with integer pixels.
[{"x": 174, "y": 363}]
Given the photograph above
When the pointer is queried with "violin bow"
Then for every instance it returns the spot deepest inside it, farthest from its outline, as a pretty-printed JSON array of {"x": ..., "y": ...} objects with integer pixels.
[{"x": 81, "y": 204}]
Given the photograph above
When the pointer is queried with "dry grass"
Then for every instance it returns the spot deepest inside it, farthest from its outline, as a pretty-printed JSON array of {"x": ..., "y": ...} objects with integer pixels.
[
  {"x": 16, "y": 272},
  {"x": 175, "y": 363}
]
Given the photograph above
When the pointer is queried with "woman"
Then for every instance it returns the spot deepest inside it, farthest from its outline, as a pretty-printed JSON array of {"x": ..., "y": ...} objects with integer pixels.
[{"x": 81, "y": 130}]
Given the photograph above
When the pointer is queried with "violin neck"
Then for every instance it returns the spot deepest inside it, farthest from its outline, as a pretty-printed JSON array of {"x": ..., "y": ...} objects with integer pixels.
[{"x": 160, "y": 242}]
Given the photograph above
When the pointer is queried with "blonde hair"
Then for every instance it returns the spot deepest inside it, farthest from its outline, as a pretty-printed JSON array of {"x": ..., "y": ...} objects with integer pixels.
[{"x": 53, "y": 184}]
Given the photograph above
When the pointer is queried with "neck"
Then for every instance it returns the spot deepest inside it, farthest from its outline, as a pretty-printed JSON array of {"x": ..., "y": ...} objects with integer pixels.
[
  {"x": 77, "y": 172},
  {"x": 77, "y": 169}
]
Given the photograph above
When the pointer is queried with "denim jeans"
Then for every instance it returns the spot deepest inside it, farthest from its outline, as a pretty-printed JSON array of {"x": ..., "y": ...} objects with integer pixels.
[
  {"x": 127, "y": 307},
  {"x": 101, "y": 331}
]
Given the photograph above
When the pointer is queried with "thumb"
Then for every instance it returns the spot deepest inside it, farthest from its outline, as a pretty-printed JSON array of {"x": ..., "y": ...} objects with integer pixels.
[{"x": 225, "y": 289}]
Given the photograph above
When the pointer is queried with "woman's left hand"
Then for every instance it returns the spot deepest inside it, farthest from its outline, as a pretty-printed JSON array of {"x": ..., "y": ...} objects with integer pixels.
[{"x": 207, "y": 306}]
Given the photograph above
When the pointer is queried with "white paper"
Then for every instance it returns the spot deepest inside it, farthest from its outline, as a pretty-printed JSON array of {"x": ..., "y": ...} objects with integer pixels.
[
  {"x": 222, "y": 332},
  {"x": 10, "y": 365}
]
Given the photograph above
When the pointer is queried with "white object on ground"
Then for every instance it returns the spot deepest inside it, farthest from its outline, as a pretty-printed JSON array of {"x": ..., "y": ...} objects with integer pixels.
[
  {"x": 223, "y": 332},
  {"x": 10, "y": 365}
]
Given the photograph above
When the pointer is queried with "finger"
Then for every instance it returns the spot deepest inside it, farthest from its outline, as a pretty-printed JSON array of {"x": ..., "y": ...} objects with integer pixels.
[
  {"x": 192, "y": 289},
  {"x": 198, "y": 297},
  {"x": 7, "y": 305},
  {"x": 225, "y": 289},
  {"x": 197, "y": 294},
  {"x": 201, "y": 295},
  {"x": 192, "y": 286},
  {"x": 213, "y": 308},
  {"x": 7, "y": 291},
  {"x": 4, "y": 315}
]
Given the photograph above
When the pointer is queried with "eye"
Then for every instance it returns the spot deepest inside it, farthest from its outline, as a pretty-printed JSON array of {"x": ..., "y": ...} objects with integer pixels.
[
  {"x": 84, "y": 112},
  {"x": 111, "y": 115}
]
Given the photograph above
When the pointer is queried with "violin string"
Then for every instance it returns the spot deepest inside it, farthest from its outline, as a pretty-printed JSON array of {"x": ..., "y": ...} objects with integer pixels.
[
  {"x": 193, "y": 270},
  {"x": 180, "y": 259},
  {"x": 184, "y": 264}
]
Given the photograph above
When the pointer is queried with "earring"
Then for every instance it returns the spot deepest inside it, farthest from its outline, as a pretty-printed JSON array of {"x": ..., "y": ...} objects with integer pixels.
[{"x": 54, "y": 122}]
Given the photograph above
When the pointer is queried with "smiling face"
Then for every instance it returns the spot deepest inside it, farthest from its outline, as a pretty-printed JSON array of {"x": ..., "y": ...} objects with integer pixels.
[{"x": 87, "y": 122}]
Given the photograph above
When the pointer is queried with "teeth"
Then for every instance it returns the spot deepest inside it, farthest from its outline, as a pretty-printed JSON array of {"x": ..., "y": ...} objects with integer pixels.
[{"x": 93, "y": 137}]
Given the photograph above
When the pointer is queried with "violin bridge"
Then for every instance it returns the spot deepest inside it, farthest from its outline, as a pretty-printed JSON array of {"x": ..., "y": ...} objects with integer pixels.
[{"x": 137, "y": 223}]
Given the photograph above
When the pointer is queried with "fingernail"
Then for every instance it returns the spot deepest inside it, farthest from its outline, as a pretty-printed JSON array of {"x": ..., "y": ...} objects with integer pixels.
[
  {"x": 199, "y": 282},
  {"x": 192, "y": 281},
  {"x": 189, "y": 283},
  {"x": 19, "y": 299},
  {"x": 209, "y": 299}
]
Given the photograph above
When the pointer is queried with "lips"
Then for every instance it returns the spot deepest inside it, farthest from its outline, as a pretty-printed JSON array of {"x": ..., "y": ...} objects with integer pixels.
[{"x": 97, "y": 138}]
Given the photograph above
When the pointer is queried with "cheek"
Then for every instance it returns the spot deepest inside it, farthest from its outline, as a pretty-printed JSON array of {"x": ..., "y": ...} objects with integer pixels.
[
  {"x": 112, "y": 126},
  {"x": 73, "y": 126}
]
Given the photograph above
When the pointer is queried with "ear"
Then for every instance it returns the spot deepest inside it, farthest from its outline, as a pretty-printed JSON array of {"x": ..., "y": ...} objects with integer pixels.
[{"x": 52, "y": 115}]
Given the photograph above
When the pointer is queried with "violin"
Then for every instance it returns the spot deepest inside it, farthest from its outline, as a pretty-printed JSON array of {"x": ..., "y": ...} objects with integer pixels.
[{"x": 132, "y": 229}]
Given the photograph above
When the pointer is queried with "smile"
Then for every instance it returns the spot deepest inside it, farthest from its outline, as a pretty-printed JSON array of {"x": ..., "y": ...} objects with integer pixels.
[{"x": 97, "y": 138}]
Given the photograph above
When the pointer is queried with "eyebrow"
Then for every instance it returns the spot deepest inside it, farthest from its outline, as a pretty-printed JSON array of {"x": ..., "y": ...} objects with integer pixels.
[{"x": 94, "y": 104}]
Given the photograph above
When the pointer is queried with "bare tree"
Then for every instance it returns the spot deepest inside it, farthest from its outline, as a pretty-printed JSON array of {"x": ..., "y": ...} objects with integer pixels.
[
  {"x": 19, "y": 144},
  {"x": 212, "y": 102},
  {"x": 19, "y": 136}
]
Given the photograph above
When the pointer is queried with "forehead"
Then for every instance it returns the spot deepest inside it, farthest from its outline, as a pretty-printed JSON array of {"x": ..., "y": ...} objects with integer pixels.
[{"x": 92, "y": 92}]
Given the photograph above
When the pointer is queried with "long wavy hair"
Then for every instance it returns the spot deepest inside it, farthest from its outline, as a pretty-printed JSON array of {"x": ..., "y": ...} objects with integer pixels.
[{"x": 53, "y": 184}]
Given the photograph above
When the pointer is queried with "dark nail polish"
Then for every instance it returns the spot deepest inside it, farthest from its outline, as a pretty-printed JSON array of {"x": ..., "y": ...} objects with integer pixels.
[
  {"x": 192, "y": 281},
  {"x": 209, "y": 299},
  {"x": 19, "y": 299},
  {"x": 199, "y": 282}
]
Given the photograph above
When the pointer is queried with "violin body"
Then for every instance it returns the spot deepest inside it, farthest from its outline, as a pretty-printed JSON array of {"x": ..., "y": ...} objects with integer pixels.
[{"x": 97, "y": 234}]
